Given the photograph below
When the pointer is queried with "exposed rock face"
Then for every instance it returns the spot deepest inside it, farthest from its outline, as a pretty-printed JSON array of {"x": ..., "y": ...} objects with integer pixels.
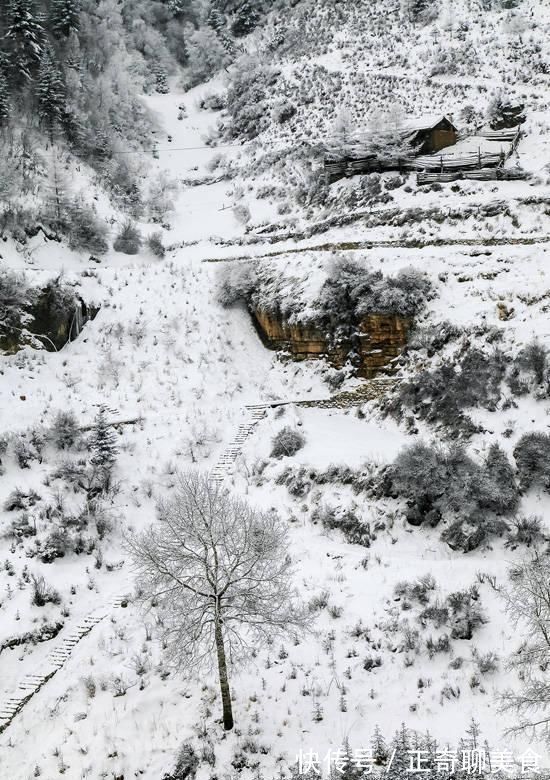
[
  {"x": 53, "y": 322},
  {"x": 378, "y": 340}
]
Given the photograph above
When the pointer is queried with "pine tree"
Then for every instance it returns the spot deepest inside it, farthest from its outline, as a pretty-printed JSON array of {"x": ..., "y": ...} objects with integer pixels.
[
  {"x": 379, "y": 747},
  {"x": 399, "y": 750},
  {"x": 64, "y": 17},
  {"x": 502, "y": 480},
  {"x": 25, "y": 39},
  {"x": 50, "y": 91},
  {"x": 216, "y": 20},
  {"x": 246, "y": 19},
  {"x": 4, "y": 100},
  {"x": 103, "y": 447},
  {"x": 161, "y": 79},
  {"x": 58, "y": 204}
]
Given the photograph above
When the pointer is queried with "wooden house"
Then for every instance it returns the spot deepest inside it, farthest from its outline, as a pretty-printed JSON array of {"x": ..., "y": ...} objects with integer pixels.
[
  {"x": 424, "y": 135},
  {"x": 430, "y": 134}
]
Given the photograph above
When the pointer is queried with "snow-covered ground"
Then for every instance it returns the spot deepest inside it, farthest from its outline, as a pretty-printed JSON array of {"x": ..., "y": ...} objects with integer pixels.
[{"x": 163, "y": 353}]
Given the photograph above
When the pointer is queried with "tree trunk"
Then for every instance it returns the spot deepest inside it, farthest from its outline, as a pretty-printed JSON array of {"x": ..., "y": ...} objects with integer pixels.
[{"x": 224, "y": 680}]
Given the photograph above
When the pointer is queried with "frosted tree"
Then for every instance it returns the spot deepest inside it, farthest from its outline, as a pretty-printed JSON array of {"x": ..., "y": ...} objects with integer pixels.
[
  {"x": 379, "y": 747},
  {"x": 104, "y": 448},
  {"x": 206, "y": 55},
  {"x": 4, "y": 100},
  {"x": 342, "y": 139},
  {"x": 527, "y": 601},
  {"x": 220, "y": 572},
  {"x": 24, "y": 37},
  {"x": 50, "y": 91},
  {"x": 64, "y": 17},
  {"x": 57, "y": 199},
  {"x": 246, "y": 19}
]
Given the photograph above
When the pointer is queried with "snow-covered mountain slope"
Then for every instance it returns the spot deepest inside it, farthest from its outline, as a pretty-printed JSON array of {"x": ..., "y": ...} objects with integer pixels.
[{"x": 177, "y": 371}]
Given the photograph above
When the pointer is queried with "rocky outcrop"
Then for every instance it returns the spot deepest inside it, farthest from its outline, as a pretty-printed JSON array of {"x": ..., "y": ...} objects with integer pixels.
[
  {"x": 377, "y": 341},
  {"x": 53, "y": 319}
]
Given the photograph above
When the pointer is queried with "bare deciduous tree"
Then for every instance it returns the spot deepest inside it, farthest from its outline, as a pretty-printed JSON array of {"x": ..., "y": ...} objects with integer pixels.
[
  {"x": 221, "y": 572},
  {"x": 528, "y": 604}
]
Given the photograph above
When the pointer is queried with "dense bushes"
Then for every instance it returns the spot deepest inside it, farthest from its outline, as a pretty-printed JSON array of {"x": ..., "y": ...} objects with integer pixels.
[
  {"x": 287, "y": 442},
  {"x": 128, "y": 239},
  {"x": 351, "y": 291},
  {"x": 346, "y": 520},
  {"x": 248, "y": 97},
  {"x": 87, "y": 231},
  {"x": 14, "y": 296},
  {"x": 532, "y": 456},
  {"x": 65, "y": 430},
  {"x": 470, "y": 379},
  {"x": 448, "y": 485},
  {"x": 441, "y": 395}
]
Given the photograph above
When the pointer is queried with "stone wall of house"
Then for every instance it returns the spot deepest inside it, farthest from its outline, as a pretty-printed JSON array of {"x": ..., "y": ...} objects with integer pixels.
[{"x": 380, "y": 339}]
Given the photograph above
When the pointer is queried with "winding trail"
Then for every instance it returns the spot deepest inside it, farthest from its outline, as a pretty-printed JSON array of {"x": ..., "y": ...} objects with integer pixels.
[{"x": 389, "y": 244}]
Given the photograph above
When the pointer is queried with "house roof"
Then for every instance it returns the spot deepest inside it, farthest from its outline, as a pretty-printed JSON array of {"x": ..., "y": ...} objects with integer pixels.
[{"x": 426, "y": 122}]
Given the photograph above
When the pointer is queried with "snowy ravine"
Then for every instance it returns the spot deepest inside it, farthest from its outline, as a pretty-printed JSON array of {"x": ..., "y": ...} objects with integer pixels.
[{"x": 179, "y": 371}]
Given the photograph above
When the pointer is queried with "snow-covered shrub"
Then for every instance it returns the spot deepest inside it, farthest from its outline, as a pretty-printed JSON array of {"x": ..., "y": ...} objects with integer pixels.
[
  {"x": 442, "y": 484},
  {"x": 487, "y": 663},
  {"x": 530, "y": 371},
  {"x": 23, "y": 452},
  {"x": 236, "y": 283},
  {"x": 441, "y": 395},
  {"x": 242, "y": 213},
  {"x": 353, "y": 290},
  {"x": 532, "y": 456},
  {"x": 14, "y": 297},
  {"x": 19, "y": 499},
  {"x": 213, "y": 101},
  {"x": 283, "y": 111},
  {"x": 319, "y": 602},
  {"x": 128, "y": 239},
  {"x": 527, "y": 531},
  {"x": 441, "y": 644},
  {"x": 248, "y": 97},
  {"x": 205, "y": 54},
  {"x": 186, "y": 764},
  {"x": 87, "y": 231},
  {"x": 466, "y": 613},
  {"x": 355, "y": 530},
  {"x": 287, "y": 442},
  {"x": 65, "y": 430},
  {"x": 418, "y": 591},
  {"x": 155, "y": 245},
  {"x": 42, "y": 593}
]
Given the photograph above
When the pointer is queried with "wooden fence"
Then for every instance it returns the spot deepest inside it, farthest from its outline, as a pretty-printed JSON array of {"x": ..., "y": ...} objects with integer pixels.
[{"x": 433, "y": 167}]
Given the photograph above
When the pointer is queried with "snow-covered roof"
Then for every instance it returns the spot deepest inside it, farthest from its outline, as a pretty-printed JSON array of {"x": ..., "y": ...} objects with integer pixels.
[{"x": 426, "y": 122}]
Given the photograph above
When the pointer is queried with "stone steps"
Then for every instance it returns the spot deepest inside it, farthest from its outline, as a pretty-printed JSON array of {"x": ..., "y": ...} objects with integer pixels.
[
  {"x": 56, "y": 659},
  {"x": 232, "y": 451}
]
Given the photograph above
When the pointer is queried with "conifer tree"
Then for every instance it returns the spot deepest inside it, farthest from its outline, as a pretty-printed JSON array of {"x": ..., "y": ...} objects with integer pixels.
[
  {"x": 216, "y": 20},
  {"x": 502, "y": 479},
  {"x": 379, "y": 747},
  {"x": 57, "y": 199},
  {"x": 50, "y": 91},
  {"x": 246, "y": 19},
  {"x": 4, "y": 100},
  {"x": 64, "y": 17},
  {"x": 103, "y": 447},
  {"x": 25, "y": 39}
]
